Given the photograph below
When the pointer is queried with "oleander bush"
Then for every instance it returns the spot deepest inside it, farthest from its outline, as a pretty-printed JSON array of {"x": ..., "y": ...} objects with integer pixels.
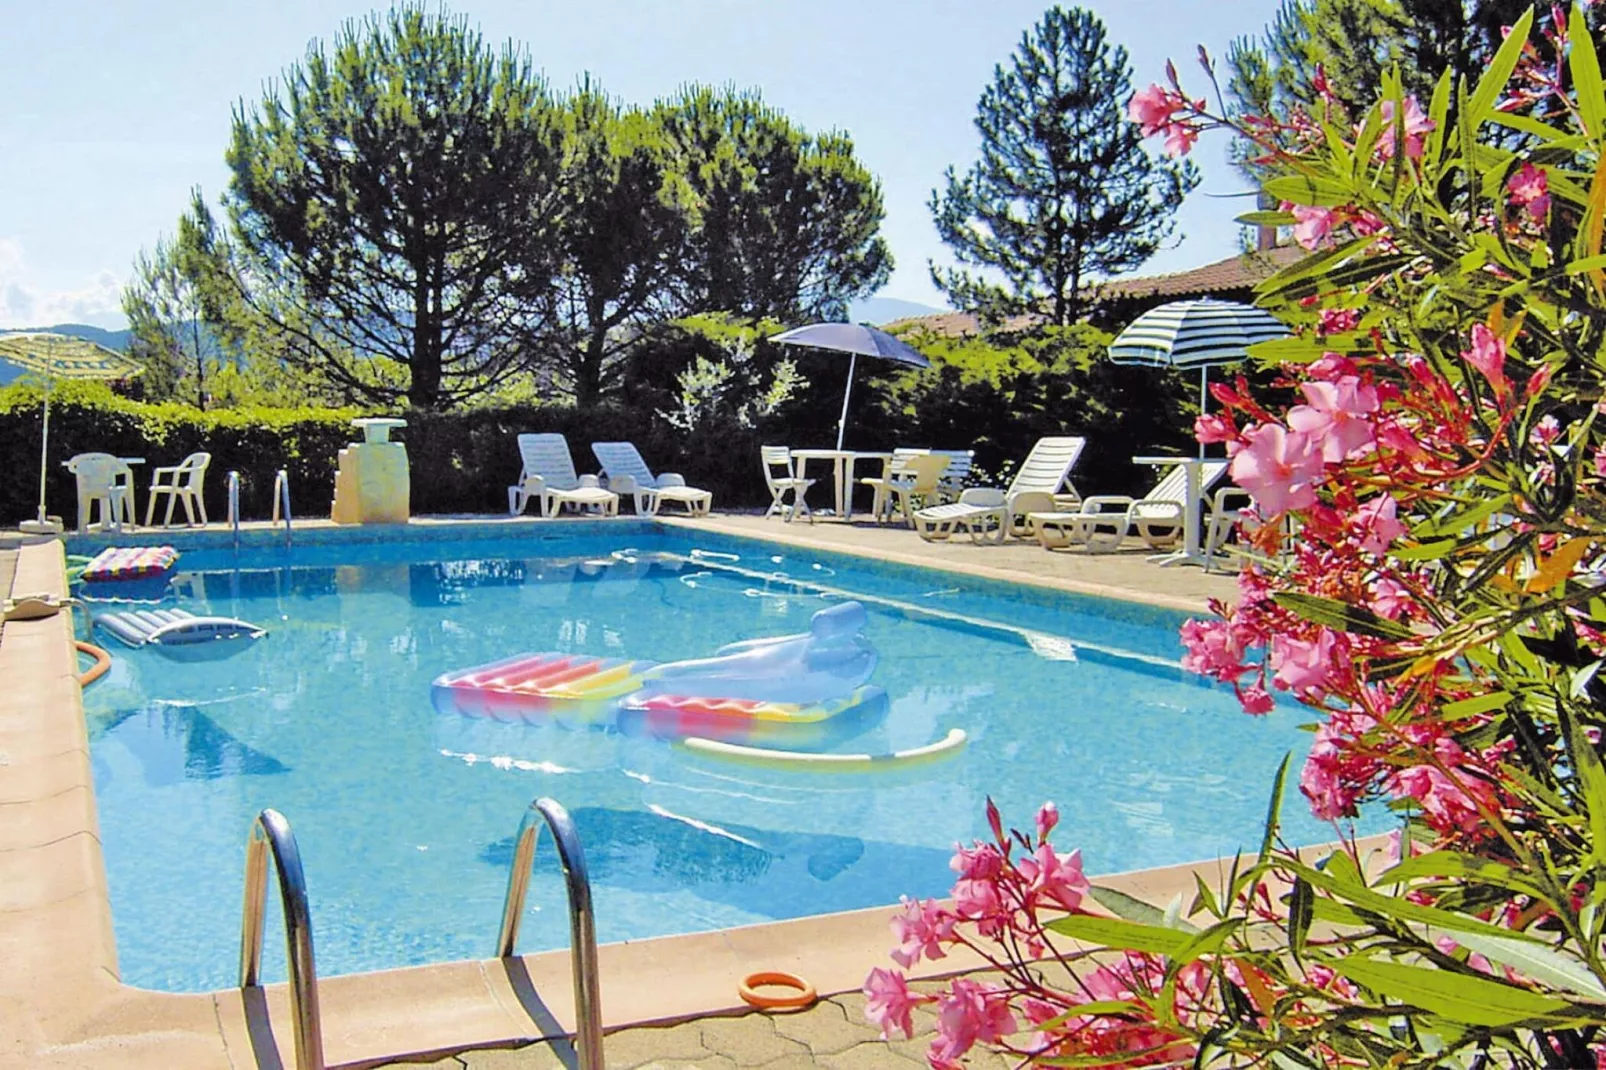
[{"x": 1428, "y": 577}]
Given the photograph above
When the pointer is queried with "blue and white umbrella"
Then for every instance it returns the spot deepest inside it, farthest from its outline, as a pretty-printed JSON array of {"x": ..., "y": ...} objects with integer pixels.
[
  {"x": 1195, "y": 334},
  {"x": 854, "y": 339}
]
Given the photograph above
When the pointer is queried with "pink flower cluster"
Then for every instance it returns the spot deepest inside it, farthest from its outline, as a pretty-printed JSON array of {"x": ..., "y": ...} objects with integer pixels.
[{"x": 1159, "y": 110}]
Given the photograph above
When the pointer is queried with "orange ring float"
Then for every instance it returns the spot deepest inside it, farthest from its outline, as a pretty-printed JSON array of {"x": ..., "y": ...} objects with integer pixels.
[
  {"x": 103, "y": 662},
  {"x": 805, "y": 992}
]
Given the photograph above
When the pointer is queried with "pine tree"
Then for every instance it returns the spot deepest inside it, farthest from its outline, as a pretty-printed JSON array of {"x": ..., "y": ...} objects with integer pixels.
[{"x": 1064, "y": 191}]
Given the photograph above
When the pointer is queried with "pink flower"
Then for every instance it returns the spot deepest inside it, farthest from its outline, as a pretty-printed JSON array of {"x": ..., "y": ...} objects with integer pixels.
[
  {"x": 1390, "y": 598},
  {"x": 967, "y": 1013},
  {"x": 1047, "y": 817},
  {"x": 1212, "y": 650},
  {"x": 1600, "y": 461},
  {"x": 1256, "y": 700},
  {"x": 1312, "y": 225},
  {"x": 1337, "y": 320},
  {"x": 1213, "y": 428},
  {"x": 1332, "y": 367},
  {"x": 1151, "y": 109},
  {"x": 1335, "y": 417},
  {"x": 1376, "y": 524},
  {"x": 1302, "y": 666},
  {"x": 1450, "y": 802},
  {"x": 1488, "y": 355},
  {"x": 888, "y": 1002},
  {"x": 1278, "y": 467},
  {"x": 1530, "y": 189},
  {"x": 920, "y": 930},
  {"x": 1415, "y": 122},
  {"x": 1331, "y": 797},
  {"x": 1055, "y": 877},
  {"x": 1545, "y": 432},
  {"x": 980, "y": 902},
  {"x": 981, "y": 862},
  {"x": 1179, "y": 139}
]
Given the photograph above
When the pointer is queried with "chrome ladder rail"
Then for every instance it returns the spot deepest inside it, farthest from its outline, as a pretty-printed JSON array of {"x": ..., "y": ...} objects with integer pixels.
[
  {"x": 271, "y": 830},
  {"x": 281, "y": 498},
  {"x": 234, "y": 507},
  {"x": 582, "y": 919}
]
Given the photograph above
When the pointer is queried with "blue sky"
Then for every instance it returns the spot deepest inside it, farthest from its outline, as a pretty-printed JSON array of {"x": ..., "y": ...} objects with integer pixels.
[{"x": 114, "y": 110}]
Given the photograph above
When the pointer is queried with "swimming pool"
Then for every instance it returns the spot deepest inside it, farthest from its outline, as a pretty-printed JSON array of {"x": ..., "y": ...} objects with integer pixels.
[{"x": 405, "y": 816}]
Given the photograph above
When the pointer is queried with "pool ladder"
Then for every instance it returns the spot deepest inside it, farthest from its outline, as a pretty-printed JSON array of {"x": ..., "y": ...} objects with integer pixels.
[
  {"x": 270, "y": 831},
  {"x": 234, "y": 507},
  {"x": 281, "y": 500}
]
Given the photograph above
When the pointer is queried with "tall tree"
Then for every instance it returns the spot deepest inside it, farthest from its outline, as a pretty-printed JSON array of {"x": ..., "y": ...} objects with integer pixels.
[
  {"x": 1064, "y": 191},
  {"x": 785, "y": 224},
  {"x": 623, "y": 238},
  {"x": 174, "y": 307},
  {"x": 394, "y": 188}
]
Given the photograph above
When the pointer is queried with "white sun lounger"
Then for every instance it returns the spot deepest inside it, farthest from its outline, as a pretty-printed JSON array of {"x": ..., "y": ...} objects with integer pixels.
[
  {"x": 988, "y": 513},
  {"x": 628, "y": 474},
  {"x": 549, "y": 478},
  {"x": 1103, "y": 521}
]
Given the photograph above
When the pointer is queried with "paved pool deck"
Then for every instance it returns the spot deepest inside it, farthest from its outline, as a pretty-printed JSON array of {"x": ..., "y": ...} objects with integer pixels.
[{"x": 669, "y": 1002}]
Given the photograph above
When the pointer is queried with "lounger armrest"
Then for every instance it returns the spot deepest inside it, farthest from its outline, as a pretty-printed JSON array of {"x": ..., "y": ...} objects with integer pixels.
[
  {"x": 985, "y": 497},
  {"x": 589, "y": 480},
  {"x": 670, "y": 479},
  {"x": 1156, "y": 510},
  {"x": 622, "y": 484},
  {"x": 1219, "y": 503},
  {"x": 1097, "y": 502}
]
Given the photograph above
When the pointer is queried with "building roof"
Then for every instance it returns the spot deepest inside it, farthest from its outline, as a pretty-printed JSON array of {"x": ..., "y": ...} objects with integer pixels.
[{"x": 1234, "y": 276}]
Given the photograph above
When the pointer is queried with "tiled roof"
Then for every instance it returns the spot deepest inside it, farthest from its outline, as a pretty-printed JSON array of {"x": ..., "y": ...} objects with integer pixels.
[{"x": 1234, "y": 275}]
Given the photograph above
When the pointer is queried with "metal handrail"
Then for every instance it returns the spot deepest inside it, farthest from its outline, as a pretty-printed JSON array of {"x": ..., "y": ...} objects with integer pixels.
[
  {"x": 281, "y": 497},
  {"x": 234, "y": 506},
  {"x": 582, "y": 919},
  {"x": 271, "y": 830}
]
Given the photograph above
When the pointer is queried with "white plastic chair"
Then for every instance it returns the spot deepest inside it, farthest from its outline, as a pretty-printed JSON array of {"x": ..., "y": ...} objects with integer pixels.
[
  {"x": 100, "y": 479},
  {"x": 549, "y": 478},
  {"x": 1044, "y": 477},
  {"x": 181, "y": 482},
  {"x": 1223, "y": 519},
  {"x": 780, "y": 476},
  {"x": 1104, "y": 520},
  {"x": 911, "y": 475},
  {"x": 628, "y": 474}
]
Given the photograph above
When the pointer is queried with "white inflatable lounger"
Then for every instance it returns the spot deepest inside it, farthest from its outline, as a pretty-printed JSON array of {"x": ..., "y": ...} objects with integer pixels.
[{"x": 181, "y": 633}]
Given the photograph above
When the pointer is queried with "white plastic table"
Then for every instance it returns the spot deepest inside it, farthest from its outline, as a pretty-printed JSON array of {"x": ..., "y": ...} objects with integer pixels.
[
  {"x": 843, "y": 460},
  {"x": 126, "y": 503},
  {"x": 1191, "y": 552}
]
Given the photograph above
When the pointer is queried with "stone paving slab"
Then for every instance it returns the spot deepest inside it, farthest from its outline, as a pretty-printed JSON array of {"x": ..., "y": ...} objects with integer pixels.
[{"x": 832, "y": 1033}]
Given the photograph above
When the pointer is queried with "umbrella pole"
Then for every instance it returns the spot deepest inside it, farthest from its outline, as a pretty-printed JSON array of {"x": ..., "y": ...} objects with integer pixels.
[
  {"x": 44, "y": 448},
  {"x": 842, "y": 424},
  {"x": 1204, "y": 397}
]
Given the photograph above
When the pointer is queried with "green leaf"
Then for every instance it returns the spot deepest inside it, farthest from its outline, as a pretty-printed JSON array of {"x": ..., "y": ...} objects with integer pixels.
[
  {"x": 1460, "y": 998},
  {"x": 1388, "y": 905},
  {"x": 1341, "y": 616},
  {"x": 1498, "y": 73},
  {"x": 1471, "y": 707},
  {"x": 1274, "y": 807},
  {"x": 1122, "y": 935},
  {"x": 1462, "y": 866},
  {"x": 1288, "y": 351},
  {"x": 1267, "y": 219},
  {"x": 1592, "y": 781},
  {"x": 1584, "y": 66},
  {"x": 1588, "y": 263},
  {"x": 1308, "y": 190},
  {"x": 1581, "y": 678},
  {"x": 1133, "y": 909},
  {"x": 1427, "y": 551},
  {"x": 1301, "y": 911},
  {"x": 1456, "y": 523},
  {"x": 1537, "y": 961}
]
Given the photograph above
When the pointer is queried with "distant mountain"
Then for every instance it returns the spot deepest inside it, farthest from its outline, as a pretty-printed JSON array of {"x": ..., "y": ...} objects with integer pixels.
[
  {"x": 877, "y": 310},
  {"x": 117, "y": 340}
]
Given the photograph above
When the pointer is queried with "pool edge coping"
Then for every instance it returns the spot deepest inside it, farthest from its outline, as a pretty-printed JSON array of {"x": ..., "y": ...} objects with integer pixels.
[{"x": 65, "y": 1006}]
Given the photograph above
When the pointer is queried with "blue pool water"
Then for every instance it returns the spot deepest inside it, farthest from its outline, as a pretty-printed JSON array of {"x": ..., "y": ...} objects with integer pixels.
[{"x": 405, "y": 816}]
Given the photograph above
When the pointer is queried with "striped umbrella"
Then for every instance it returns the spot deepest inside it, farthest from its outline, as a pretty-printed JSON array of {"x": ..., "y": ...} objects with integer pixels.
[
  {"x": 60, "y": 356},
  {"x": 1195, "y": 334}
]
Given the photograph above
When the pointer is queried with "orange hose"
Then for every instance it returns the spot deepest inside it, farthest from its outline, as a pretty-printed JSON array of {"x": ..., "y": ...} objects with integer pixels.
[
  {"x": 805, "y": 992},
  {"x": 103, "y": 662}
]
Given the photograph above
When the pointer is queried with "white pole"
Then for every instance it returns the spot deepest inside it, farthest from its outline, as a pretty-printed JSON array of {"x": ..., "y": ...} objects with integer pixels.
[
  {"x": 842, "y": 424},
  {"x": 1204, "y": 397},
  {"x": 44, "y": 445}
]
